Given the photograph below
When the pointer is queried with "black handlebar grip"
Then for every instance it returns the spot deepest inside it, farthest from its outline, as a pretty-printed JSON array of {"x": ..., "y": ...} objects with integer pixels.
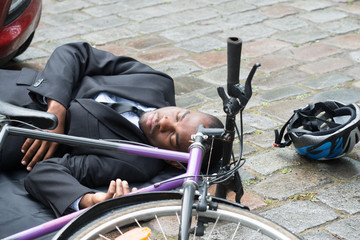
[{"x": 234, "y": 46}]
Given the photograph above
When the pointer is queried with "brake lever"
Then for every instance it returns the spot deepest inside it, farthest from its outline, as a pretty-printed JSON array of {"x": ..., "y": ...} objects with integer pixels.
[
  {"x": 231, "y": 106},
  {"x": 248, "y": 88}
]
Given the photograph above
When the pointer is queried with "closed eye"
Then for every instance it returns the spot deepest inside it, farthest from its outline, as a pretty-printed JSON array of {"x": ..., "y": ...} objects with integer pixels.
[{"x": 175, "y": 143}]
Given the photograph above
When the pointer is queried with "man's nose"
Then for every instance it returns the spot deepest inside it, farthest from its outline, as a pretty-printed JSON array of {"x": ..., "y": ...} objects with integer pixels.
[{"x": 166, "y": 124}]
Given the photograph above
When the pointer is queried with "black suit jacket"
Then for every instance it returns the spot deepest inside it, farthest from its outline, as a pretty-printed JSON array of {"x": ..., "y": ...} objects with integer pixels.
[{"x": 74, "y": 74}]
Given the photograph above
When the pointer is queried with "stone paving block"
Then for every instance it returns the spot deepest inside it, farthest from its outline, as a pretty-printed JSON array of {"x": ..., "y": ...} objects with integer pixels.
[
  {"x": 342, "y": 168},
  {"x": 211, "y": 92},
  {"x": 263, "y": 139},
  {"x": 314, "y": 51},
  {"x": 139, "y": 4},
  {"x": 283, "y": 110},
  {"x": 279, "y": 79},
  {"x": 329, "y": 80},
  {"x": 147, "y": 42},
  {"x": 161, "y": 54},
  {"x": 105, "y": 10},
  {"x": 215, "y": 109},
  {"x": 188, "y": 32},
  {"x": 341, "y": 26},
  {"x": 253, "y": 103},
  {"x": 318, "y": 236},
  {"x": 32, "y": 53},
  {"x": 55, "y": 33},
  {"x": 114, "y": 49},
  {"x": 252, "y": 201},
  {"x": 249, "y": 33},
  {"x": 281, "y": 93},
  {"x": 345, "y": 96},
  {"x": 50, "y": 46},
  {"x": 323, "y": 16},
  {"x": 269, "y": 162},
  {"x": 302, "y": 35},
  {"x": 262, "y": 47},
  {"x": 219, "y": 75},
  {"x": 188, "y": 101},
  {"x": 342, "y": 196},
  {"x": 300, "y": 215},
  {"x": 312, "y": 4},
  {"x": 103, "y": 2},
  {"x": 350, "y": 8},
  {"x": 350, "y": 41},
  {"x": 210, "y": 59},
  {"x": 355, "y": 56},
  {"x": 103, "y": 22},
  {"x": 143, "y": 14},
  {"x": 187, "y": 84},
  {"x": 176, "y": 69},
  {"x": 274, "y": 62},
  {"x": 63, "y": 6},
  {"x": 354, "y": 72},
  {"x": 64, "y": 18},
  {"x": 345, "y": 228},
  {"x": 154, "y": 25},
  {"x": 233, "y": 7},
  {"x": 109, "y": 35},
  {"x": 196, "y": 15},
  {"x": 282, "y": 186},
  {"x": 203, "y": 44},
  {"x": 259, "y": 122},
  {"x": 179, "y": 6},
  {"x": 265, "y": 2},
  {"x": 326, "y": 65},
  {"x": 249, "y": 199},
  {"x": 286, "y": 23},
  {"x": 278, "y": 11},
  {"x": 246, "y": 175},
  {"x": 239, "y": 19}
]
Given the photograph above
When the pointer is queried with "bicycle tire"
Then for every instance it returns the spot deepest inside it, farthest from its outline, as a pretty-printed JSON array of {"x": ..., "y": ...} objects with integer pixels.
[{"x": 96, "y": 223}]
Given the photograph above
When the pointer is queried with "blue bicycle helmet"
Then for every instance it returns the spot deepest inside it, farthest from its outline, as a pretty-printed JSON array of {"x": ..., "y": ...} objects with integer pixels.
[{"x": 323, "y": 130}]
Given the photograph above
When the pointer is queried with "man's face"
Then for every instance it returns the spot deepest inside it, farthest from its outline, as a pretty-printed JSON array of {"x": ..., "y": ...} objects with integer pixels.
[{"x": 171, "y": 127}]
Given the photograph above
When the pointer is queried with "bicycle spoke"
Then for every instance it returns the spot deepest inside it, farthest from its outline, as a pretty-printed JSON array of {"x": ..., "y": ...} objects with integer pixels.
[
  {"x": 139, "y": 225},
  {"x": 227, "y": 222},
  {"x": 237, "y": 227},
  {"x": 117, "y": 228},
  {"x": 217, "y": 219},
  {"x": 196, "y": 223},
  {"x": 254, "y": 236},
  {"x": 102, "y": 236},
  {"x": 162, "y": 230},
  {"x": 178, "y": 218}
]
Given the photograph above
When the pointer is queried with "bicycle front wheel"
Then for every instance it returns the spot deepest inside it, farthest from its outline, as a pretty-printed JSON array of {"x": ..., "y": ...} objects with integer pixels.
[{"x": 162, "y": 216}]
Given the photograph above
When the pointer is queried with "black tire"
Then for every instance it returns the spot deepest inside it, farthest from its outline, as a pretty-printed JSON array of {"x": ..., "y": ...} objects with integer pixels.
[
  {"x": 231, "y": 220},
  {"x": 25, "y": 45}
]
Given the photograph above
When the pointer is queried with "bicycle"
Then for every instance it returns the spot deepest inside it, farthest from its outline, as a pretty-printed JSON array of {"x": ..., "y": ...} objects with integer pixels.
[{"x": 197, "y": 212}]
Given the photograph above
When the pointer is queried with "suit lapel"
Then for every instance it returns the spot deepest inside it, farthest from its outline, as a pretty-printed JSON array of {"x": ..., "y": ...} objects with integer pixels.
[{"x": 112, "y": 120}]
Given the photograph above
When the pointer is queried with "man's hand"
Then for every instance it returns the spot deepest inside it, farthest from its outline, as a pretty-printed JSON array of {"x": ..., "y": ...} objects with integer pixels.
[
  {"x": 38, "y": 150},
  {"x": 116, "y": 189}
]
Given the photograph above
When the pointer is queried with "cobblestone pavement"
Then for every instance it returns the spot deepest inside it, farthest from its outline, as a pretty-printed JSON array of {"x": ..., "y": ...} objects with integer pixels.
[{"x": 309, "y": 51}]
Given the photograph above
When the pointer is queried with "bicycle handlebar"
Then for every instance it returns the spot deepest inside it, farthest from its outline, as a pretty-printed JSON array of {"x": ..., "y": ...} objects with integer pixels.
[{"x": 234, "y": 46}]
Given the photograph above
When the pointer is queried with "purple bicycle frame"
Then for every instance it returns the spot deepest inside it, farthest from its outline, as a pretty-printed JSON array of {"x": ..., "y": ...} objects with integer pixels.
[{"x": 193, "y": 160}]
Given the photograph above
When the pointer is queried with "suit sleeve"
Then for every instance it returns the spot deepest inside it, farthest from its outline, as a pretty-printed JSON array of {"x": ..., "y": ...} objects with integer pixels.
[
  {"x": 67, "y": 66},
  {"x": 58, "y": 182}
]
